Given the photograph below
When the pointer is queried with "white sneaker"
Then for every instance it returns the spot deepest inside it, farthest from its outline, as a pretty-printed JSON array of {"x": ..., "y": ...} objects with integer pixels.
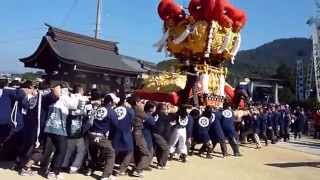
[
  {"x": 51, "y": 175},
  {"x": 137, "y": 174},
  {"x": 73, "y": 170},
  {"x": 162, "y": 167},
  {"x": 59, "y": 176},
  {"x": 27, "y": 172},
  {"x": 109, "y": 178},
  {"x": 89, "y": 172}
]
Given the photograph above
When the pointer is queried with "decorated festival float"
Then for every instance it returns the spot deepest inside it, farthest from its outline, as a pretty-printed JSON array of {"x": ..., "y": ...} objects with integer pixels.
[{"x": 204, "y": 38}]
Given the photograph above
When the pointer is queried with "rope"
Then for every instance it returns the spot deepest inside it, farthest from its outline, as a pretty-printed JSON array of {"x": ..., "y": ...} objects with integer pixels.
[
  {"x": 39, "y": 117},
  {"x": 183, "y": 36},
  {"x": 68, "y": 14},
  {"x": 14, "y": 114},
  {"x": 162, "y": 43}
]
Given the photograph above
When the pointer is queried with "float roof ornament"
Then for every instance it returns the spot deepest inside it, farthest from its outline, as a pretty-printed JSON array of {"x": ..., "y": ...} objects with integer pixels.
[{"x": 210, "y": 30}]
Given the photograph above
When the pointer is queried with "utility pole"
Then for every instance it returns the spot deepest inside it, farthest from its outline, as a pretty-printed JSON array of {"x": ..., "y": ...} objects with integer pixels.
[
  {"x": 300, "y": 80},
  {"x": 314, "y": 22},
  {"x": 98, "y": 19},
  {"x": 309, "y": 80}
]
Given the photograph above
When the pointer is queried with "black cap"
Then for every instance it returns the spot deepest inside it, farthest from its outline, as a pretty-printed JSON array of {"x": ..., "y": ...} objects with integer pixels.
[
  {"x": 95, "y": 95},
  {"x": 132, "y": 100}
]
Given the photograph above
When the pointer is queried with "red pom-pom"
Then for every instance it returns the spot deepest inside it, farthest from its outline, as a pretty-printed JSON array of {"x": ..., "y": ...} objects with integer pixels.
[
  {"x": 237, "y": 15},
  {"x": 168, "y": 9},
  {"x": 208, "y": 9},
  {"x": 196, "y": 9},
  {"x": 163, "y": 9},
  {"x": 229, "y": 16}
]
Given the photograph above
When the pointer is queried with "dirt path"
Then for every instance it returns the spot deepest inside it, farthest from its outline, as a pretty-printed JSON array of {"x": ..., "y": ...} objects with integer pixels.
[{"x": 268, "y": 163}]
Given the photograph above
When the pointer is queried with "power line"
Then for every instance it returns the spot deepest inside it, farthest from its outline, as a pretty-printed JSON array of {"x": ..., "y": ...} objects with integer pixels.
[{"x": 68, "y": 14}]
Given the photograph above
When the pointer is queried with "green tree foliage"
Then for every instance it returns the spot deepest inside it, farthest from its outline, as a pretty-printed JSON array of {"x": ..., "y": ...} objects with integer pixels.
[
  {"x": 30, "y": 76},
  {"x": 286, "y": 73},
  {"x": 167, "y": 65},
  {"x": 286, "y": 96},
  {"x": 311, "y": 104}
]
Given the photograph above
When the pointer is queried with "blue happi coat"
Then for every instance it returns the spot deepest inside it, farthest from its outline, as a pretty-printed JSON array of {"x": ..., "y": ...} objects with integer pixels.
[
  {"x": 270, "y": 121},
  {"x": 276, "y": 118},
  {"x": 299, "y": 123},
  {"x": 228, "y": 123},
  {"x": 264, "y": 119},
  {"x": 190, "y": 127},
  {"x": 148, "y": 125},
  {"x": 216, "y": 132},
  {"x": 35, "y": 118},
  {"x": 13, "y": 105},
  {"x": 105, "y": 120},
  {"x": 30, "y": 128},
  {"x": 286, "y": 119},
  {"x": 256, "y": 124},
  {"x": 7, "y": 96},
  {"x": 201, "y": 129},
  {"x": 76, "y": 119},
  {"x": 122, "y": 139},
  {"x": 58, "y": 113}
]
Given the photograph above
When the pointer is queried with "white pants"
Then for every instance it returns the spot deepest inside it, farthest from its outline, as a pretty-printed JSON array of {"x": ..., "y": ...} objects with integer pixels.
[
  {"x": 179, "y": 135},
  {"x": 257, "y": 139}
]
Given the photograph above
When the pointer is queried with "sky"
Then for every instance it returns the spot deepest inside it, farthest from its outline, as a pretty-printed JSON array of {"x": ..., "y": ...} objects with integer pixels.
[{"x": 135, "y": 24}]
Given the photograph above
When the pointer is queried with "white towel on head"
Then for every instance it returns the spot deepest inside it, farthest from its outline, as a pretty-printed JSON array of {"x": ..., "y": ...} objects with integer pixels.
[{"x": 115, "y": 99}]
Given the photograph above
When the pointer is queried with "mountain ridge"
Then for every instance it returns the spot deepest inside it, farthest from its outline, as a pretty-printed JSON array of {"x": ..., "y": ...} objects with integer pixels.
[{"x": 263, "y": 60}]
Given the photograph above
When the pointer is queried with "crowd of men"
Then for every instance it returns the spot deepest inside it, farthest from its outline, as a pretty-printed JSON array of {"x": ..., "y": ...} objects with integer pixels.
[{"x": 61, "y": 129}]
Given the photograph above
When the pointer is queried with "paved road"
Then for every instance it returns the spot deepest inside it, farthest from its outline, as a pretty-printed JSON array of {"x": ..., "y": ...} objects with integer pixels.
[{"x": 282, "y": 161}]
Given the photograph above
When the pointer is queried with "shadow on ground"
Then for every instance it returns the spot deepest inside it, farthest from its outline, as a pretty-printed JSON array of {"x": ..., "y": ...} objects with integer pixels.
[
  {"x": 307, "y": 144},
  {"x": 295, "y": 164}
]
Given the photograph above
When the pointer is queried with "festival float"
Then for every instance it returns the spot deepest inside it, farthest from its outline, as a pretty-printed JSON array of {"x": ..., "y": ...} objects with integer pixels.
[{"x": 204, "y": 38}]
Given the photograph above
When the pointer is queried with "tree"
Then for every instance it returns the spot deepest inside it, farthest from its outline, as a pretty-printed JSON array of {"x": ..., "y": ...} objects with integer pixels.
[
  {"x": 167, "y": 65},
  {"x": 286, "y": 95},
  {"x": 30, "y": 76},
  {"x": 285, "y": 73},
  {"x": 312, "y": 104}
]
